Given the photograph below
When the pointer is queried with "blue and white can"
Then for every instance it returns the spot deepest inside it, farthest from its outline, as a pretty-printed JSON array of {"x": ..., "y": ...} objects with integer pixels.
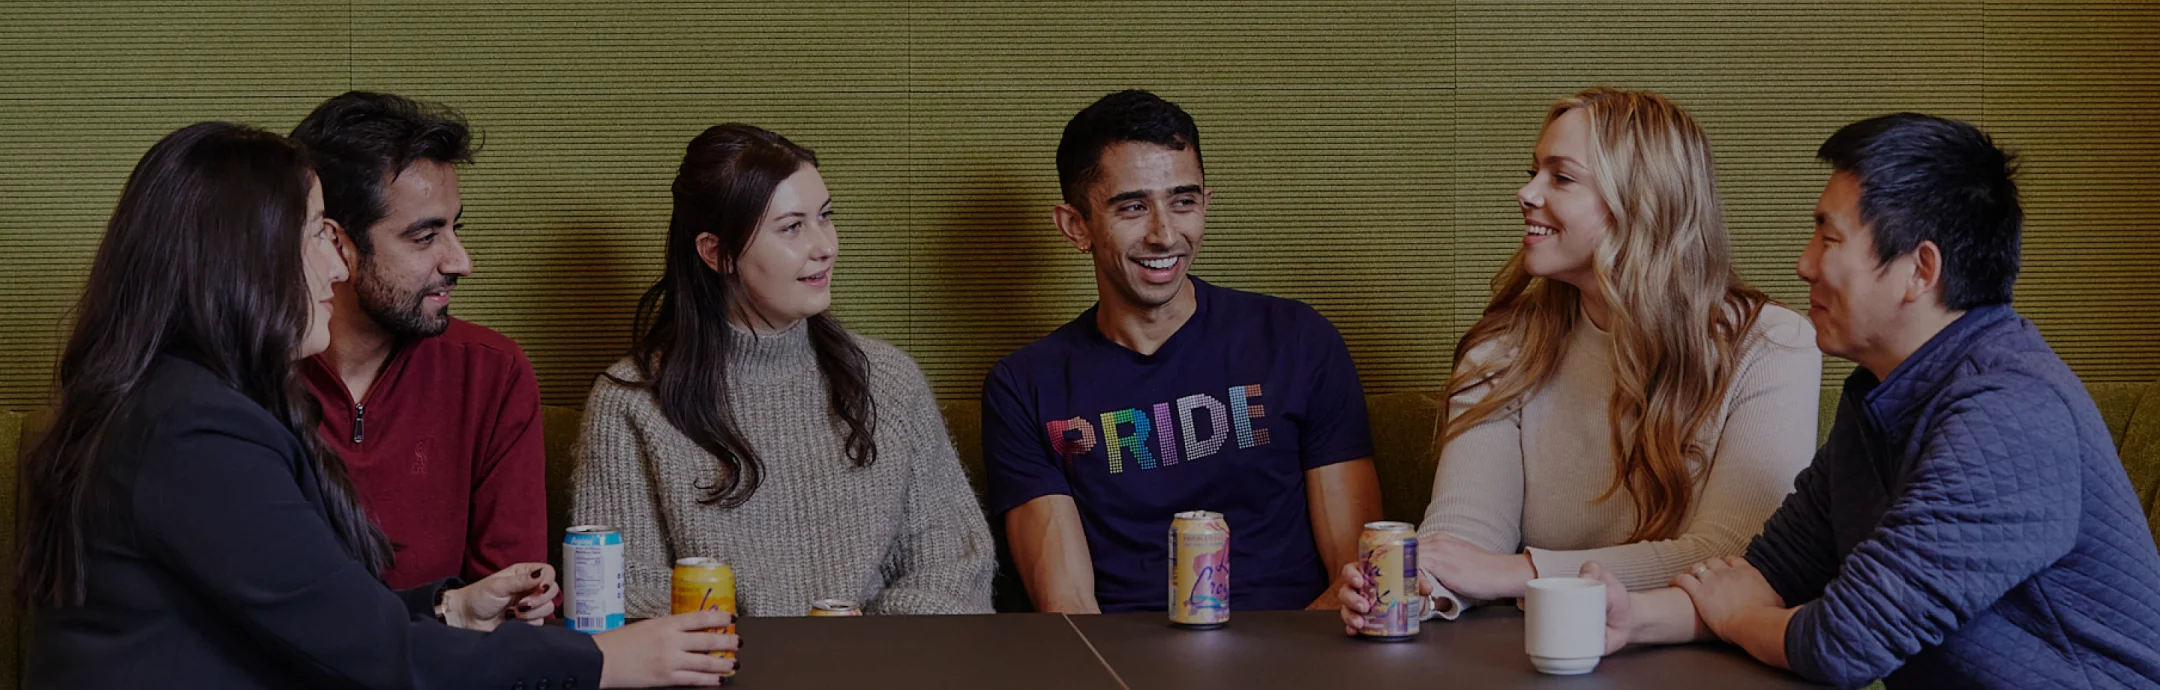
[{"x": 592, "y": 558}]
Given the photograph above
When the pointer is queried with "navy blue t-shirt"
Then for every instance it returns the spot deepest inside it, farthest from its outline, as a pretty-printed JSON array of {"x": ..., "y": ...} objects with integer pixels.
[{"x": 1226, "y": 416}]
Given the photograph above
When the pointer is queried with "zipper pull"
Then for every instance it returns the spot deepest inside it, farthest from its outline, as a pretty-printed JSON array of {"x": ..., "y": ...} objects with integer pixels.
[{"x": 359, "y": 423}]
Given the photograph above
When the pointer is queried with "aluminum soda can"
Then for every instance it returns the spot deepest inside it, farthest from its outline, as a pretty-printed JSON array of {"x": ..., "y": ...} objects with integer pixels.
[
  {"x": 1387, "y": 557},
  {"x": 834, "y": 607},
  {"x": 593, "y": 578},
  {"x": 703, "y": 583},
  {"x": 1199, "y": 570}
]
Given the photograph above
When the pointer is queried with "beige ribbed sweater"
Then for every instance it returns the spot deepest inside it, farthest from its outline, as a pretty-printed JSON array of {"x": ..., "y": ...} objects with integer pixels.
[
  {"x": 1530, "y": 479},
  {"x": 903, "y": 536}
]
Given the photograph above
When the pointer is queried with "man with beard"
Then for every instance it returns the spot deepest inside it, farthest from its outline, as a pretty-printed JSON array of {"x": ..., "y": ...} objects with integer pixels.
[
  {"x": 1171, "y": 395},
  {"x": 438, "y": 419}
]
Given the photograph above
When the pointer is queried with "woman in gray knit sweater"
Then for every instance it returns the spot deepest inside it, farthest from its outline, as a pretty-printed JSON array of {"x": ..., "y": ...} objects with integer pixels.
[{"x": 748, "y": 425}]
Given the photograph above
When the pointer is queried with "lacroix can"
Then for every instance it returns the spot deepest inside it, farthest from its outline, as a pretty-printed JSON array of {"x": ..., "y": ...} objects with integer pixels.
[
  {"x": 834, "y": 607},
  {"x": 703, "y": 583},
  {"x": 1199, "y": 570},
  {"x": 1387, "y": 557},
  {"x": 593, "y": 578}
]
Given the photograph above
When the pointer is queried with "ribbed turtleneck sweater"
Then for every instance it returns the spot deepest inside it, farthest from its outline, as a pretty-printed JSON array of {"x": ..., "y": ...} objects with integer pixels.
[{"x": 902, "y": 536}]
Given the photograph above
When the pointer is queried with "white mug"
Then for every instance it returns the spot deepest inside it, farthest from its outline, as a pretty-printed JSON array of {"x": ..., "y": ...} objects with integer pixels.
[{"x": 1564, "y": 624}]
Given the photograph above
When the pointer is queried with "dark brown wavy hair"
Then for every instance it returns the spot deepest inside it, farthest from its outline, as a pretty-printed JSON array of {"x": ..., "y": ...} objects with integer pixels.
[
  {"x": 202, "y": 261},
  {"x": 681, "y": 333}
]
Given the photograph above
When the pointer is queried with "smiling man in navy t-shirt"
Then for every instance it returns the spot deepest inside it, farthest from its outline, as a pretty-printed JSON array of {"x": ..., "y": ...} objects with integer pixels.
[{"x": 1171, "y": 395}]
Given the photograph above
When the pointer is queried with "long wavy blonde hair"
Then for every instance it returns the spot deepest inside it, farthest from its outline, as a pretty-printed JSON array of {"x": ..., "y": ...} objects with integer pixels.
[{"x": 1667, "y": 273}]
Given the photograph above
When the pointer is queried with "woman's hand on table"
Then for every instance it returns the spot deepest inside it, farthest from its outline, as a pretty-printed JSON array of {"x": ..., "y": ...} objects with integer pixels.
[
  {"x": 1619, "y": 613},
  {"x": 1734, "y": 602},
  {"x": 523, "y": 592},
  {"x": 1472, "y": 572},
  {"x": 672, "y": 651},
  {"x": 1356, "y": 596}
]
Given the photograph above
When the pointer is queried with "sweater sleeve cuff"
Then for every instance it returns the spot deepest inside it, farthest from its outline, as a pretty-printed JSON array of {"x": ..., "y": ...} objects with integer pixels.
[
  {"x": 1442, "y": 604},
  {"x": 1800, "y": 630}
]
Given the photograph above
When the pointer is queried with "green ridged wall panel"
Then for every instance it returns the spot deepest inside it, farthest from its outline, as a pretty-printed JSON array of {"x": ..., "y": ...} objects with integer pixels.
[
  {"x": 2075, "y": 88},
  {"x": 1364, "y": 154},
  {"x": 62, "y": 163}
]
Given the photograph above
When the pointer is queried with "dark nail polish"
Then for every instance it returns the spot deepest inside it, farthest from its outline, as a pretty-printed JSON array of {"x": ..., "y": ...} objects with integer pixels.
[{"x": 536, "y": 574}]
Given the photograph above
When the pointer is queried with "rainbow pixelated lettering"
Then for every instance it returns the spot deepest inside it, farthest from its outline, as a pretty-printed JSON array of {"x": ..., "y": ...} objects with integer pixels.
[
  {"x": 1195, "y": 446},
  {"x": 1067, "y": 447},
  {"x": 1128, "y": 432},
  {"x": 1165, "y": 442},
  {"x": 1244, "y": 413},
  {"x": 1116, "y": 445}
]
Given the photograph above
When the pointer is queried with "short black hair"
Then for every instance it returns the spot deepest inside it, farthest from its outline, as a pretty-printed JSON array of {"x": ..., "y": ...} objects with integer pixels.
[
  {"x": 360, "y": 139},
  {"x": 1932, "y": 179},
  {"x": 1130, "y": 115}
]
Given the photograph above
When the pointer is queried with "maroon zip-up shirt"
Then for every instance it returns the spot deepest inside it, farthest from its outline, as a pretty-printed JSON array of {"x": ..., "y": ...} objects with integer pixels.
[{"x": 446, "y": 452}]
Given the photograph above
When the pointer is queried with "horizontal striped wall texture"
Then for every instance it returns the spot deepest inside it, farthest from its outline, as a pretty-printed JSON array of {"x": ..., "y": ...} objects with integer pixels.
[{"x": 1364, "y": 154}]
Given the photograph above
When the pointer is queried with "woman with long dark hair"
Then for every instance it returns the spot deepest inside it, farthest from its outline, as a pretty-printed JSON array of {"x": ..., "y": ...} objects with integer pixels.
[
  {"x": 184, "y": 526},
  {"x": 748, "y": 425}
]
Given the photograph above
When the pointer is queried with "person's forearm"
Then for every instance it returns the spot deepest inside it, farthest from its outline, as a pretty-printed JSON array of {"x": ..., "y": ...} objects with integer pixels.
[
  {"x": 1665, "y": 616},
  {"x": 1512, "y": 574},
  {"x": 1338, "y": 546},
  {"x": 1057, "y": 587},
  {"x": 1065, "y": 600},
  {"x": 1342, "y": 497},
  {"x": 1471, "y": 572},
  {"x": 1050, "y": 549},
  {"x": 1335, "y": 554}
]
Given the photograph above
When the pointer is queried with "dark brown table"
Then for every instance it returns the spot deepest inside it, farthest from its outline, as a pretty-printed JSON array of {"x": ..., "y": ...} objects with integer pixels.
[
  {"x": 1307, "y": 649},
  {"x": 1037, "y": 651},
  {"x": 1140, "y": 651}
]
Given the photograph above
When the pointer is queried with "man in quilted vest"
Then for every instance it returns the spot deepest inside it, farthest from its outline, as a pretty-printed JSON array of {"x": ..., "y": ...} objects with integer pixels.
[{"x": 1967, "y": 523}]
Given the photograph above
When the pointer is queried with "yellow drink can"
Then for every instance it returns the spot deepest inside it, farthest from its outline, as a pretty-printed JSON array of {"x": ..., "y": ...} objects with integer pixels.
[
  {"x": 834, "y": 608},
  {"x": 703, "y": 583}
]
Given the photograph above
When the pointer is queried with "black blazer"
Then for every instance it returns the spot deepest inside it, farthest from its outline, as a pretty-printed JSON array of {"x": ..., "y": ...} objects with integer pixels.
[{"x": 210, "y": 563}]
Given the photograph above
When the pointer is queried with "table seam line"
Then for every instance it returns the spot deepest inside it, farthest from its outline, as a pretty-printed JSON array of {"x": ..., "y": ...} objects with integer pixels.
[{"x": 1097, "y": 652}]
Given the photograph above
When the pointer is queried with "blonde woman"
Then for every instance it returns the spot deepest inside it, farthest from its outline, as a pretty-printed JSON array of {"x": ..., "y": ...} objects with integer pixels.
[{"x": 1627, "y": 398}]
